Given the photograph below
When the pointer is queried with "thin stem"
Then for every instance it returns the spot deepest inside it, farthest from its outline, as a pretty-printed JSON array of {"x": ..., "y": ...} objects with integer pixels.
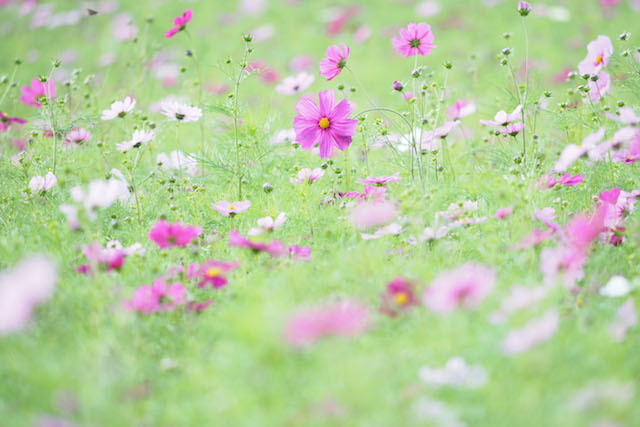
[
  {"x": 197, "y": 63},
  {"x": 6, "y": 91},
  {"x": 236, "y": 114},
  {"x": 526, "y": 88}
]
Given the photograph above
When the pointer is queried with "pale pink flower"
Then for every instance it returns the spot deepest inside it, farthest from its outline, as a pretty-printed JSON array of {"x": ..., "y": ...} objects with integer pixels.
[
  {"x": 503, "y": 119},
  {"x": 178, "y": 161},
  {"x": 372, "y": 213},
  {"x": 362, "y": 34},
  {"x": 626, "y": 318},
  {"x": 387, "y": 230},
  {"x": 625, "y": 116},
  {"x": 416, "y": 39},
  {"x": 462, "y": 108},
  {"x": 78, "y": 136},
  {"x": 504, "y": 212},
  {"x": 345, "y": 318},
  {"x": 598, "y": 53},
  {"x": 456, "y": 373},
  {"x": 598, "y": 88},
  {"x": 22, "y": 289},
  {"x": 268, "y": 224},
  {"x": 140, "y": 137},
  {"x": 519, "y": 298},
  {"x": 100, "y": 194},
  {"x": 573, "y": 152},
  {"x": 301, "y": 63},
  {"x": 308, "y": 176},
  {"x": 43, "y": 183},
  {"x": 225, "y": 208},
  {"x": 380, "y": 180},
  {"x": 119, "y": 109},
  {"x": 295, "y": 84},
  {"x": 466, "y": 286},
  {"x": 532, "y": 334},
  {"x": 512, "y": 129}
]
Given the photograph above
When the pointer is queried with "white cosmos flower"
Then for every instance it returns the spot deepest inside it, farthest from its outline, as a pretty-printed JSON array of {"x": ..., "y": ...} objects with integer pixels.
[
  {"x": 140, "y": 137},
  {"x": 295, "y": 84},
  {"x": 119, "y": 109},
  {"x": 177, "y": 160},
  {"x": 42, "y": 183},
  {"x": 181, "y": 112}
]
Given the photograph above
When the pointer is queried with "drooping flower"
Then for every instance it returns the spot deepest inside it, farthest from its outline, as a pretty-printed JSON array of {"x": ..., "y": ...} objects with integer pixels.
[
  {"x": 295, "y": 84},
  {"x": 462, "y": 108},
  {"x": 467, "y": 286},
  {"x": 140, "y": 137},
  {"x": 334, "y": 61},
  {"x": 306, "y": 175},
  {"x": 6, "y": 121},
  {"x": 167, "y": 235},
  {"x": 78, "y": 136},
  {"x": 399, "y": 296},
  {"x": 119, "y": 109},
  {"x": 179, "y": 23},
  {"x": 416, "y": 39},
  {"x": 22, "y": 289},
  {"x": 231, "y": 208},
  {"x": 268, "y": 224},
  {"x": 532, "y": 334},
  {"x": 182, "y": 113},
  {"x": 345, "y": 318},
  {"x": 380, "y": 180},
  {"x": 327, "y": 124},
  {"x": 34, "y": 94},
  {"x": 598, "y": 53},
  {"x": 43, "y": 183}
]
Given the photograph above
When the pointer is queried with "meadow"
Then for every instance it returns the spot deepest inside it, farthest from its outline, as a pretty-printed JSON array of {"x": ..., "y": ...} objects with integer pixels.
[{"x": 305, "y": 213}]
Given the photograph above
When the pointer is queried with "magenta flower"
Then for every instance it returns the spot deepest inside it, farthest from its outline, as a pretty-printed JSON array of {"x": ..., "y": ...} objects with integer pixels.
[
  {"x": 276, "y": 248},
  {"x": 345, "y": 319},
  {"x": 570, "y": 181},
  {"x": 334, "y": 61},
  {"x": 161, "y": 296},
  {"x": 78, "y": 136},
  {"x": 179, "y": 23},
  {"x": 399, "y": 296},
  {"x": 467, "y": 286},
  {"x": 167, "y": 235},
  {"x": 327, "y": 124},
  {"x": 32, "y": 95},
  {"x": 231, "y": 208},
  {"x": 214, "y": 273},
  {"x": 107, "y": 259},
  {"x": 6, "y": 121},
  {"x": 416, "y": 39},
  {"x": 300, "y": 253},
  {"x": 380, "y": 180},
  {"x": 598, "y": 53}
]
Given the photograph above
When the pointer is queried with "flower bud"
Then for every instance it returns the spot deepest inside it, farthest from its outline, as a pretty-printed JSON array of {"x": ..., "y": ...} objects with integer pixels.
[
  {"x": 398, "y": 86},
  {"x": 524, "y": 8}
]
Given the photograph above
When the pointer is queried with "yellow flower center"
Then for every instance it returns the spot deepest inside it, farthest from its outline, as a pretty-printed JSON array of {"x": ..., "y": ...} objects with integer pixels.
[
  {"x": 324, "y": 123},
  {"x": 214, "y": 272},
  {"x": 231, "y": 207},
  {"x": 599, "y": 60},
  {"x": 401, "y": 298}
]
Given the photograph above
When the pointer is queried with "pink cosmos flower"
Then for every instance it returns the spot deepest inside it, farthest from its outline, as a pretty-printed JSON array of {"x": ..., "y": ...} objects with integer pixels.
[
  {"x": 373, "y": 213},
  {"x": 346, "y": 318},
  {"x": 161, "y": 296},
  {"x": 399, "y": 296},
  {"x": 519, "y": 298},
  {"x": 536, "y": 237},
  {"x": 327, "y": 124},
  {"x": 532, "y": 334},
  {"x": 6, "y": 121},
  {"x": 276, "y": 248},
  {"x": 179, "y": 23},
  {"x": 119, "y": 109},
  {"x": 214, "y": 273},
  {"x": 546, "y": 216},
  {"x": 380, "y": 180},
  {"x": 301, "y": 63},
  {"x": 430, "y": 140},
  {"x": 416, "y": 39},
  {"x": 504, "y": 212},
  {"x": 268, "y": 224},
  {"x": 512, "y": 129},
  {"x": 300, "y": 253},
  {"x": 467, "y": 286},
  {"x": 392, "y": 229},
  {"x": 334, "y": 61},
  {"x": 503, "y": 119},
  {"x": 43, "y": 183},
  {"x": 573, "y": 152},
  {"x": 167, "y": 235},
  {"x": 108, "y": 259},
  {"x": 625, "y": 116},
  {"x": 78, "y": 136},
  {"x": 570, "y": 181},
  {"x": 370, "y": 193},
  {"x": 462, "y": 108},
  {"x": 308, "y": 176},
  {"x": 231, "y": 209},
  {"x": 295, "y": 84},
  {"x": 182, "y": 113},
  {"x": 22, "y": 289},
  {"x": 598, "y": 53},
  {"x": 31, "y": 95},
  {"x": 599, "y": 88}
]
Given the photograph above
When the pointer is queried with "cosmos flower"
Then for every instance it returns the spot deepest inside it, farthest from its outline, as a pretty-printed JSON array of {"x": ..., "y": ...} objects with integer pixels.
[
  {"x": 140, "y": 137},
  {"x": 466, "y": 287},
  {"x": 179, "y": 23},
  {"x": 225, "y": 208},
  {"x": 598, "y": 53},
  {"x": 32, "y": 95},
  {"x": 6, "y": 121},
  {"x": 345, "y": 318},
  {"x": 380, "y": 180},
  {"x": 101, "y": 194},
  {"x": 213, "y": 273},
  {"x": 503, "y": 119},
  {"x": 295, "y": 84},
  {"x": 462, "y": 108},
  {"x": 178, "y": 161},
  {"x": 598, "y": 88},
  {"x": 399, "y": 296},
  {"x": 167, "y": 235},
  {"x": 268, "y": 224},
  {"x": 43, "y": 183},
  {"x": 182, "y": 113},
  {"x": 276, "y": 248},
  {"x": 416, "y": 39},
  {"x": 334, "y": 61},
  {"x": 306, "y": 175},
  {"x": 532, "y": 334},
  {"x": 524, "y": 8},
  {"x": 119, "y": 109},
  {"x": 78, "y": 136},
  {"x": 159, "y": 297},
  {"x": 327, "y": 124}
]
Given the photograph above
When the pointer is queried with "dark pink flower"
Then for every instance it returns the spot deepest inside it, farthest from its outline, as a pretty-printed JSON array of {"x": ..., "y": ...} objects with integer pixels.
[
  {"x": 570, "y": 181},
  {"x": 327, "y": 124},
  {"x": 345, "y": 318},
  {"x": 32, "y": 95},
  {"x": 6, "y": 121},
  {"x": 334, "y": 61},
  {"x": 300, "y": 253},
  {"x": 214, "y": 273},
  {"x": 276, "y": 248},
  {"x": 416, "y": 39},
  {"x": 467, "y": 286},
  {"x": 161, "y": 296},
  {"x": 179, "y": 23},
  {"x": 399, "y": 296},
  {"x": 167, "y": 235}
]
